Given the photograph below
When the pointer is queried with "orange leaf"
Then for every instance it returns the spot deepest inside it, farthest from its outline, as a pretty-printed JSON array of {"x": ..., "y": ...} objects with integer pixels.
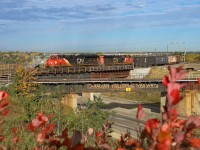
[
  {"x": 4, "y": 103},
  {"x": 194, "y": 142}
]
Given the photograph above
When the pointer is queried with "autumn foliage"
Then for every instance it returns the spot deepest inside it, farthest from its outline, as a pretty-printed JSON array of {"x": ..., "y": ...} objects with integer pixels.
[{"x": 169, "y": 133}]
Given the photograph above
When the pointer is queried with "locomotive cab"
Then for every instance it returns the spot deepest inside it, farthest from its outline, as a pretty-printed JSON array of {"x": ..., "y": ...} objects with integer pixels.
[{"x": 55, "y": 60}]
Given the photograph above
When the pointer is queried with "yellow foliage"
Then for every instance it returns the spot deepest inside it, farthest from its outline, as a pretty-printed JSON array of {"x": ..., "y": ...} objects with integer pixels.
[{"x": 26, "y": 81}]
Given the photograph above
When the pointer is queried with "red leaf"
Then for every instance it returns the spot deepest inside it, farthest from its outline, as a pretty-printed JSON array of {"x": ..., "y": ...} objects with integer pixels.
[
  {"x": 174, "y": 114},
  {"x": 1, "y": 138},
  {"x": 165, "y": 127},
  {"x": 150, "y": 125},
  {"x": 98, "y": 134},
  {"x": 198, "y": 80},
  {"x": 15, "y": 139},
  {"x": 65, "y": 133},
  {"x": 179, "y": 137},
  {"x": 165, "y": 80},
  {"x": 5, "y": 112},
  {"x": 3, "y": 95},
  {"x": 14, "y": 130},
  {"x": 54, "y": 142},
  {"x": 140, "y": 112},
  {"x": 194, "y": 142},
  {"x": 176, "y": 96},
  {"x": 50, "y": 127},
  {"x": 79, "y": 147},
  {"x": 36, "y": 122},
  {"x": 30, "y": 127},
  {"x": 192, "y": 122},
  {"x": 176, "y": 73},
  {"x": 41, "y": 137},
  {"x": 4, "y": 103}
]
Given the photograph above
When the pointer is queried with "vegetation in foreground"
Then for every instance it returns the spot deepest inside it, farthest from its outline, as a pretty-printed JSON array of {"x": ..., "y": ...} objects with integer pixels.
[{"x": 170, "y": 132}]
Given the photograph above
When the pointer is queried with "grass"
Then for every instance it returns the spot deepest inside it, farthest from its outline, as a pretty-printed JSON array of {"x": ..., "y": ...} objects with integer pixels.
[{"x": 142, "y": 96}]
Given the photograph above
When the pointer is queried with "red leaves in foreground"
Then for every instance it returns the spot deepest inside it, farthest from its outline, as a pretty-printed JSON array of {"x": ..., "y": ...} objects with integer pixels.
[
  {"x": 194, "y": 142},
  {"x": 4, "y": 103},
  {"x": 4, "y": 111},
  {"x": 198, "y": 80},
  {"x": 3, "y": 95},
  {"x": 150, "y": 126},
  {"x": 172, "y": 133},
  {"x": 38, "y": 122}
]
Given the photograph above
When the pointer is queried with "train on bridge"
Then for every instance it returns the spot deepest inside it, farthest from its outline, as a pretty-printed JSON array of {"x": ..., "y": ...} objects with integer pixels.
[
  {"x": 100, "y": 66},
  {"x": 60, "y": 60}
]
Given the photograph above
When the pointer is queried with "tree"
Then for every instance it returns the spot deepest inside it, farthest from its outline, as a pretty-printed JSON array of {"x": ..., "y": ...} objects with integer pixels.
[{"x": 24, "y": 82}]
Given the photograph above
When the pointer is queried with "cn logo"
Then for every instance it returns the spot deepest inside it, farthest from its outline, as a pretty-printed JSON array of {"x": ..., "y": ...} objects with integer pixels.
[{"x": 80, "y": 60}]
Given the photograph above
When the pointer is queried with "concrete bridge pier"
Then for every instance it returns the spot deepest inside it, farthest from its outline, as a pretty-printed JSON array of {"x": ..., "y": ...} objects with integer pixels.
[
  {"x": 70, "y": 100},
  {"x": 87, "y": 96},
  {"x": 189, "y": 105}
]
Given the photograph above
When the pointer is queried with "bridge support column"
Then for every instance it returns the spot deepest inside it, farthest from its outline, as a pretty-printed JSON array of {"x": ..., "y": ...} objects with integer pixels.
[
  {"x": 184, "y": 107},
  {"x": 196, "y": 103},
  {"x": 70, "y": 100},
  {"x": 87, "y": 96},
  {"x": 163, "y": 101}
]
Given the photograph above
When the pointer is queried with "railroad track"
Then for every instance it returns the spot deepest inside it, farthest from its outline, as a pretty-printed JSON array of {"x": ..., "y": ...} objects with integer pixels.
[
  {"x": 124, "y": 123},
  {"x": 125, "y": 119}
]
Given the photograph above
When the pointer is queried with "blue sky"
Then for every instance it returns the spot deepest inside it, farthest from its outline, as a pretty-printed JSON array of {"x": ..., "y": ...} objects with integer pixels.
[{"x": 99, "y": 25}]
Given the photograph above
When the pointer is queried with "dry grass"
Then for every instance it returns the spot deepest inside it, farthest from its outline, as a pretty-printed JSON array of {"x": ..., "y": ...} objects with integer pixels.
[
  {"x": 142, "y": 96},
  {"x": 157, "y": 73}
]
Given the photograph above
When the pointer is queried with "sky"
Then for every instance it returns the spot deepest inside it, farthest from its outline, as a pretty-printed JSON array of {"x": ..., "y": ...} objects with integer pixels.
[{"x": 99, "y": 25}]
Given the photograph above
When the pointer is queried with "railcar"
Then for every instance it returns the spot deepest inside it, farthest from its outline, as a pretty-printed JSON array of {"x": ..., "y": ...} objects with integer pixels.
[
  {"x": 173, "y": 59},
  {"x": 144, "y": 61},
  {"x": 159, "y": 60}
]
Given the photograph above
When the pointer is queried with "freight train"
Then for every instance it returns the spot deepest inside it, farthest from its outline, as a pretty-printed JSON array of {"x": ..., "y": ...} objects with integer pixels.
[
  {"x": 100, "y": 66},
  {"x": 97, "y": 60}
]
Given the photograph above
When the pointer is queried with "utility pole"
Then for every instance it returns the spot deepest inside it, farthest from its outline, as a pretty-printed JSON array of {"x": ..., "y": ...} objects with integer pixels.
[{"x": 167, "y": 47}]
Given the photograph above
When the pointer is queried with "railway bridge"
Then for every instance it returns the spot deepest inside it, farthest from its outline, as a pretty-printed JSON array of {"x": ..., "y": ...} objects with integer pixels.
[{"x": 72, "y": 87}]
